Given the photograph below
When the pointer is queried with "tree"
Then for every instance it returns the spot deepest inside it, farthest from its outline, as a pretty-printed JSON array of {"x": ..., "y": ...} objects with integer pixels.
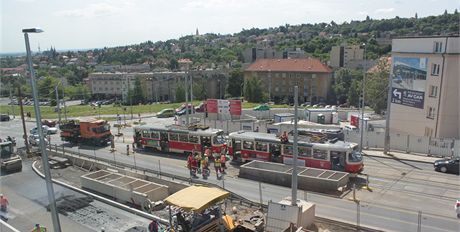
[
  {"x": 180, "y": 93},
  {"x": 253, "y": 91},
  {"x": 376, "y": 92},
  {"x": 138, "y": 94},
  {"x": 234, "y": 83},
  {"x": 346, "y": 85}
]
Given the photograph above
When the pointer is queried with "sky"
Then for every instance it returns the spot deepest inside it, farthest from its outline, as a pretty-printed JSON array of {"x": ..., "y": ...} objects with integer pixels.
[{"x": 84, "y": 24}]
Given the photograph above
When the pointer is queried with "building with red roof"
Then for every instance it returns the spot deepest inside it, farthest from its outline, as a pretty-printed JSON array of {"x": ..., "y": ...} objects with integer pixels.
[{"x": 279, "y": 76}]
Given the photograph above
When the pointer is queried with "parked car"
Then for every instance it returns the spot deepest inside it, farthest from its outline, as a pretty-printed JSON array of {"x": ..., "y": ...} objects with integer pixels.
[
  {"x": 46, "y": 130},
  {"x": 181, "y": 109},
  {"x": 262, "y": 107},
  {"x": 447, "y": 165},
  {"x": 350, "y": 128},
  {"x": 166, "y": 113},
  {"x": 34, "y": 140},
  {"x": 457, "y": 208},
  {"x": 4, "y": 117},
  {"x": 201, "y": 108},
  {"x": 50, "y": 123}
]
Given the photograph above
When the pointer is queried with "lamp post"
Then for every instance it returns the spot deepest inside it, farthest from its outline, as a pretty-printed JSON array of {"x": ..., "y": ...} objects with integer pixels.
[
  {"x": 361, "y": 124},
  {"x": 44, "y": 154}
]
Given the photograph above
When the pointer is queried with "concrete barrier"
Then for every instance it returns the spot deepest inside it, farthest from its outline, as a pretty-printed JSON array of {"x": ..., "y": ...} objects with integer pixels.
[{"x": 311, "y": 179}]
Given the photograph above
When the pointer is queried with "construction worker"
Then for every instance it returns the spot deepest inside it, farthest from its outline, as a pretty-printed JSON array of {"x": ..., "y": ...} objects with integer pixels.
[
  {"x": 204, "y": 167},
  {"x": 189, "y": 163},
  {"x": 207, "y": 152},
  {"x": 127, "y": 149},
  {"x": 153, "y": 226},
  {"x": 3, "y": 203},
  {"x": 217, "y": 166},
  {"x": 197, "y": 156},
  {"x": 38, "y": 228},
  {"x": 222, "y": 160}
]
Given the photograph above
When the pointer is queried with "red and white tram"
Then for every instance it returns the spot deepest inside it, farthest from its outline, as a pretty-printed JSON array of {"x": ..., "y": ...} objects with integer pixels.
[
  {"x": 337, "y": 155},
  {"x": 178, "y": 139}
]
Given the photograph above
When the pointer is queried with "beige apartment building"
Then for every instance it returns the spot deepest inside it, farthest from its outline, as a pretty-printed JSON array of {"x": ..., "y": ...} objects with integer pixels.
[
  {"x": 279, "y": 76},
  {"x": 346, "y": 56},
  {"x": 425, "y": 97},
  {"x": 157, "y": 86}
]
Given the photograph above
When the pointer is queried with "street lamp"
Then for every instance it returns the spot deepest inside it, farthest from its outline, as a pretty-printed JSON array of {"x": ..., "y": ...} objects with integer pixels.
[
  {"x": 361, "y": 125},
  {"x": 44, "y": 154}
]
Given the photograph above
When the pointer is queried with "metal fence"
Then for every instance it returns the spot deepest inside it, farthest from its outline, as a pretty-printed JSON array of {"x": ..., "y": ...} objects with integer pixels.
[{"x": 407, "y": 143}]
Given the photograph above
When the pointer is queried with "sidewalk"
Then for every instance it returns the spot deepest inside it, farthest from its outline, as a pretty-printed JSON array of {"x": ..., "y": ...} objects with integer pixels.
[{"x": 396, "y": 155}]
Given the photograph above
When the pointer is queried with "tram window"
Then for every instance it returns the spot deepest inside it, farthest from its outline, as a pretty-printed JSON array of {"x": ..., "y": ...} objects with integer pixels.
[
  {"x": 248, "y": 145},
  {"x": 305, "y": 151},
  {"x": 183, "y": 138},
  {"x": 145, "y": 134},
  {"x": 319, "y": 154},
  {"x": 261, "y": 146},
  {"x": 237, "y": 145},
  {"x": 355, "y": 156},
  {"x": 173, "y": 137},
  {"x": 155, "y": 135},
  {"x": 218, "y": 139},
  {"x": 193, "y": 139},
  {"x": 287, "y": 150}
]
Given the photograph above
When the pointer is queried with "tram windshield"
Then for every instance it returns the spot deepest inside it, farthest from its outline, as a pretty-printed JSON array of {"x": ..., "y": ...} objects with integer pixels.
[
  {"x": 355, "y": 155},
  {"x": 218, "y": 139}
]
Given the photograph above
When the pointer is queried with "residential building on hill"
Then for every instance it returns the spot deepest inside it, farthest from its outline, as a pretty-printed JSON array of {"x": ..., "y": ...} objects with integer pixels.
[
  {"x": 425, "y": 86},
  {"x": 279, "y": 76},
  {"x": 346, "y": 56}
]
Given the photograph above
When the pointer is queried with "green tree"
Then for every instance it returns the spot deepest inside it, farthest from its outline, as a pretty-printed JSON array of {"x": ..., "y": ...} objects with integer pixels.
[
  {"x": 253, "y": 91},
  {"x": 346, "y": 85},
  {"x": 376, "y": 89},
  {"x": 180, "y": 93},
  {"x": 234, "y": 83},
  {"x": 138, "y": 94},
  {"x": 46, "y": 89}
]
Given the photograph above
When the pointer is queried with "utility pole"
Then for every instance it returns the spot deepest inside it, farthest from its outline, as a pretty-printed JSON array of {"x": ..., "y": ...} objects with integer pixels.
[
  {"x": 386, "y": 148},
  {"x": 361, "y": 123},
  {"x": 296, "y": 151},
  {"x": 186, "y": 97},
  {"x": 23, "y": 120},
  {"x": 58, "y": 104},
  {"x": 11, "y": 99},
  {"x": 63, "y": 100}
]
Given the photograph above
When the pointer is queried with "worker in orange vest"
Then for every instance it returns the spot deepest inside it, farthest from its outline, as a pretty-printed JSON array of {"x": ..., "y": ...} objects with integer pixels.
[{"x": 3, "y": 203}]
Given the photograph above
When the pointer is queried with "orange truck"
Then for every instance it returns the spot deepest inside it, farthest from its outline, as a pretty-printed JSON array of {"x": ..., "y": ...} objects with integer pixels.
[{"x": 91, "y": 132}]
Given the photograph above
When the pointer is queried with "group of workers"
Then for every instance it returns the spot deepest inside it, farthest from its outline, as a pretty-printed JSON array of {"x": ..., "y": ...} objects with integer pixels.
[
  {"x": 198, "y": 163},
  {"x": 4, "y": 209}
]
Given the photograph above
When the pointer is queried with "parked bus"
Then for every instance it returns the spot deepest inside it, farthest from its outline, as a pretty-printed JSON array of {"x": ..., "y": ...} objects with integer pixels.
[
  {"x": 179, "y": 139},
  {"x": 333, "y": 154}
]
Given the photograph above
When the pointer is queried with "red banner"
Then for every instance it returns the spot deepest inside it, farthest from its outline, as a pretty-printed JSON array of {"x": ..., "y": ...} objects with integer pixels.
[
  {"x": 235, "y": 107},
  {"x": 211, "y": 105},
  {"x": 354, "y": 120}
]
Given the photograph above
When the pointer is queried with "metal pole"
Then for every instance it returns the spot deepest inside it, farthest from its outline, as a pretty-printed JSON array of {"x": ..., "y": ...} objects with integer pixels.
[
  {"x": 11, "y": 100},
  {"x": 191, "y": 88},
  {"x": 57, "y": 103},
  {"x": 63, "y": 100},
  {"x": 296, "y": 151},
  {"x": 46, "y": 168},
  {"x": 186, "y": 97},
  {"x": 361, "y": 124},
  {"x": 269, "y": 86},
  {"x": 23, "y": 120},
  {"x": 386, "y": 148},
  {"x": 260, "y": 194}
]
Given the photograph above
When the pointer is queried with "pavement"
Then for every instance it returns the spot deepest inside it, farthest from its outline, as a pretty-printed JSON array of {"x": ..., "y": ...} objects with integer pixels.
[{"x": 423, "y": 158}]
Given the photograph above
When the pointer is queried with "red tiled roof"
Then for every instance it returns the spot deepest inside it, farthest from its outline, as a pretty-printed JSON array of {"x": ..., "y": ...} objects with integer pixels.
[{"x": 289, "y": 65}]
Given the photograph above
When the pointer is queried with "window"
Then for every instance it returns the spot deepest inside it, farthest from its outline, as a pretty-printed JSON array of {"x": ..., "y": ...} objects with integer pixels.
[
  {"x": 193, "y": 139},
  {"x": 277, "y": 89},
  {"x": 145, "y": 134},
  {"x": 284, "y": 75},
  {"x": 428, "y": 131},
  {"x": 437, "y": 47},
  {"x": 248, "y": 145},
  {"x": 431, "y": 112},
  {"x": 287, "y": 150},
  {"x": 183, "y": 138},
  {"x": 261, "y": 146},
  {"x": 319, "y": 154},
  {"x": 433, "y": 91},
  {"x": 305, "y": 151},
  {"x": 435, "y": 69},
  {"x": 155, "y": 135},
  {"x": 173, "y": 137}
]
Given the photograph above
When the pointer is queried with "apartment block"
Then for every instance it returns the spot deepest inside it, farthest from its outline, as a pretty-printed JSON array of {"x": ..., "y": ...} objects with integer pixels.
[
  {"x": 425, "y": 86},
  {"x": 346, "y": 56},
  {"x": 279, "y": 76}
]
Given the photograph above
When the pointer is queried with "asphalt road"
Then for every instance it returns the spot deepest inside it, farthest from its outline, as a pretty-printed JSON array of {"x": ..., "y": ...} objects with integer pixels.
[{"x": 400, "y": 189}]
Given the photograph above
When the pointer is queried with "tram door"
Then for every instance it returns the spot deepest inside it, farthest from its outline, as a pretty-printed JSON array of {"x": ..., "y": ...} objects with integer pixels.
[
  {"x": 205, "y": 142},
  {"x": 275, "y": 151},
  {"x": 338, "y": 160},
  {"x": 164, "y": 142}
]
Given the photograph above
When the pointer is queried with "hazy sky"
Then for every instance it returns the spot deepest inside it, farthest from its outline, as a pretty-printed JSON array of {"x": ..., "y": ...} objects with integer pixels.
[{"x": 70, "y": 24}]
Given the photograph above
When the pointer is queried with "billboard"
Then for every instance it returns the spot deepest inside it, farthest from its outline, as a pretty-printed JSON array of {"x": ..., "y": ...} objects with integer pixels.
[{"x": 409, "y": 80}]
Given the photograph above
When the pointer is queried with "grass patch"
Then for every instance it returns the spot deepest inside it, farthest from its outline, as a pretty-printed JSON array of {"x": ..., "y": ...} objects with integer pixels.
[{"x": 47, "y": 112}]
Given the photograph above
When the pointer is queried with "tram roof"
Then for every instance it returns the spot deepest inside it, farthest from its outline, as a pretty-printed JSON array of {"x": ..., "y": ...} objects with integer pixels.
[
  {"x": 265, "y": 137},
  {"x": 178, "y": 129}
]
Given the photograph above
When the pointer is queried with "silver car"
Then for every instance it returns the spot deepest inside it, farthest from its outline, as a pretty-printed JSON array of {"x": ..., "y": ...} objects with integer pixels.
[
  {"x": 46, "y": 130},
  {"x": 34, "y": 140}
]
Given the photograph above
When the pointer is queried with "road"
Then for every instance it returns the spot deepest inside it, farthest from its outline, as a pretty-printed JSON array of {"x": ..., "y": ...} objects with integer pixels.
[{"x": 400, "y": 189}]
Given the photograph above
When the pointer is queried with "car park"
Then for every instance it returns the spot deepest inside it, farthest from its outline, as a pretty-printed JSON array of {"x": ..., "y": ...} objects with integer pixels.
[
  {"x": 165, "y": 113},
  {"x": 447, "y": 165}
]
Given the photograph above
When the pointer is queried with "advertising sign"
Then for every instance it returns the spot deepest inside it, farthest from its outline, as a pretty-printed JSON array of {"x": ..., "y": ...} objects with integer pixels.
[
  {"x": 224, "y": 107},
  {"x": 211, "y": 106},
  {"x": 409, "y": 80},
  {"x": 235, "y": 107}
]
